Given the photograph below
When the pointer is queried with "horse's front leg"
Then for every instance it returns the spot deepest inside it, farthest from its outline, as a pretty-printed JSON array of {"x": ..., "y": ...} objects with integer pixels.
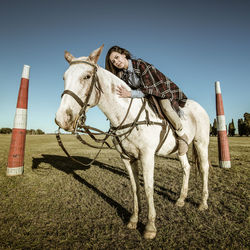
[
  {"x": 133, "y": 171},
  {"x": 186, "y": 172},
  {"x": 147, "y": 160}
]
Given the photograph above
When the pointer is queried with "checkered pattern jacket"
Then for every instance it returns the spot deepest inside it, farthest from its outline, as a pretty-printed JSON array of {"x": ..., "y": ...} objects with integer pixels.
[{"x": 155, "y": 83}]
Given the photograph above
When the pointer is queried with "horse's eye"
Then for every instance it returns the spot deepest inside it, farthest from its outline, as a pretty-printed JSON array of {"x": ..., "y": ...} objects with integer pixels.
[{"x": 87, "y": 76}]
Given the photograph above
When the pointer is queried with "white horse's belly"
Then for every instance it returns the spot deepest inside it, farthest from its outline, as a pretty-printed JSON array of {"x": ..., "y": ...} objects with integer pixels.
[
  {"x": 169, "y": 146},
  {"x": 147, "y": 139}
]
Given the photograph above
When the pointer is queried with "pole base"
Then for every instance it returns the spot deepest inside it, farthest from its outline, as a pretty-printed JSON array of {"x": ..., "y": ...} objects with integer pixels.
[
  {"x": 225, "y": 164},
  {"x": 14, "y": 171}
]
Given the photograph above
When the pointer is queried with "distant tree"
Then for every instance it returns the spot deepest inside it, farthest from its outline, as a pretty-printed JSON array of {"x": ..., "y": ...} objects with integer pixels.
[
  {"x": 214, "y": 128},
  {"x": 34, "y": 132},
  {"x": 231, "y": 130},
  {"x": 31, "y": 131},
  {"x": 247, "y": 123},
  {"x": 210, "y": 132},
  {"x": 28, "y": 131},
  {"x": 5, "y": 131},
  {"x": 39, "y": 132},
  {"x": 244, "y": 125},
  {"x": 241, "y": 127}
]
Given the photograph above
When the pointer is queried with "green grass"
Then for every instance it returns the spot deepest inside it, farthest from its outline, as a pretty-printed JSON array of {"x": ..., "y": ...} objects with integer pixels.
[{"x": 58, "y": 203}]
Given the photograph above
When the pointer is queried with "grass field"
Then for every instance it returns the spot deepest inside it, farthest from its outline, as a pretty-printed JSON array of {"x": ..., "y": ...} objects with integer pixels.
[{"x": 60, "y": 204}]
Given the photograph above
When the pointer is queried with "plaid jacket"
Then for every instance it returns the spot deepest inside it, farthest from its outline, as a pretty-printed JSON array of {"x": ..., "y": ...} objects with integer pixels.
[{"x": 155, "y": 83}]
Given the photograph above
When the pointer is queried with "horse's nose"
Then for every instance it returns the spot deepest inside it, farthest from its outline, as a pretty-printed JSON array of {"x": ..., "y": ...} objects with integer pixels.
[
  {"x": 60, "y": 122},
  {"x": 69, "y": 115},
  {"x": 65, "y": 126},
  {"x": 65, "y": 120}
]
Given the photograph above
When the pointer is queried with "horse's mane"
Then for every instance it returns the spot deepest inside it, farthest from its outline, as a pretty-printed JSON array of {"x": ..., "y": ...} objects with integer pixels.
[{"x": 118, "y": 82}]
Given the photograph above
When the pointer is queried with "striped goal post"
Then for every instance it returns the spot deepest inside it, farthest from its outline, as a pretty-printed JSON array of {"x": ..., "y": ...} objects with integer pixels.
[
  {"x": 224, "y": 155},
  {"x": 17, "y": 146}
]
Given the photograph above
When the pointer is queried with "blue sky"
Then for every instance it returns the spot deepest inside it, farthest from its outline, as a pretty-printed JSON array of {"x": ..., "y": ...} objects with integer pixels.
[{"x": 194, "y": 43}]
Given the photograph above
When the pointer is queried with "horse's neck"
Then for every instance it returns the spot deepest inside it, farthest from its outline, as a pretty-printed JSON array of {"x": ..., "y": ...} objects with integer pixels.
[{"x": 114, "y": 107}]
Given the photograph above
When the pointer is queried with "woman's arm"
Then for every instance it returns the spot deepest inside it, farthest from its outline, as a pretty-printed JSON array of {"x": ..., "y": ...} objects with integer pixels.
[
  {"x": 137, "y": 93},
  {"x": 123, "y": 93}
]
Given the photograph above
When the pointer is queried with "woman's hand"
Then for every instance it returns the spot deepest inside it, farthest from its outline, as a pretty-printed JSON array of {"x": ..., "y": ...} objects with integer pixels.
[{"x": 122, "y": 92}]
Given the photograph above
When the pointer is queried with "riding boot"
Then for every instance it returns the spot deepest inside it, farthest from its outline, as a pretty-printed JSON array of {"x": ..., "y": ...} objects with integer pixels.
[
  {"x": 175, "y": 121},
  {"x": 182, "y": 140}
]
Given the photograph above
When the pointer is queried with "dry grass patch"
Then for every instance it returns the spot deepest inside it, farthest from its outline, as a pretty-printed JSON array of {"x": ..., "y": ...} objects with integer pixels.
[{"x": 60, "y": 204}]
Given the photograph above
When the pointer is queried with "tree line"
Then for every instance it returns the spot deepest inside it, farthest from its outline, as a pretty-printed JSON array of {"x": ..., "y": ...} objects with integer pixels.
[
  {"x": 243, "y": 126},
  {"x": 28, "y": 131}
]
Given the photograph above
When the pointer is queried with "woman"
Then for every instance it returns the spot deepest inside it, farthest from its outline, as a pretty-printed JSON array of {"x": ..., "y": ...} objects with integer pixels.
[{"x": 146, "y": 81}]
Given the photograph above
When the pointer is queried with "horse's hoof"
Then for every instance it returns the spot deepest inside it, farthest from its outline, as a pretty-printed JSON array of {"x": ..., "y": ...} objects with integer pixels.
[
  {"x": 149, "y": 235},
  {"x": 132, "y": 225},
  {"x": 203, "y": 207},
  {"x": 180, "y": 203}
]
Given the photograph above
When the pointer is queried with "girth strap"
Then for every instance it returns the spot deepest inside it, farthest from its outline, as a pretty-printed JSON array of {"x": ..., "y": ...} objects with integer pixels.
[{"x": 129, "y": 125}]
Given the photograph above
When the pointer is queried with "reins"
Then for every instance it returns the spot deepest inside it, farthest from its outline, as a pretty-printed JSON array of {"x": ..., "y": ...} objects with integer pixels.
[{"x": 80, "y": 127}]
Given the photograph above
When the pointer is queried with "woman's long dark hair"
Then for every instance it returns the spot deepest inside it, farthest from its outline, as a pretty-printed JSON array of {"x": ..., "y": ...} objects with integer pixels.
[{"x": 109, "y": 65}]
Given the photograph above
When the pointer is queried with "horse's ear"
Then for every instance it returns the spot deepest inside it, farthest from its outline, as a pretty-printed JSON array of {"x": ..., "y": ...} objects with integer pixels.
[
  {"x": 94, "y": 56},
  {"x": 68, "y": 56}
]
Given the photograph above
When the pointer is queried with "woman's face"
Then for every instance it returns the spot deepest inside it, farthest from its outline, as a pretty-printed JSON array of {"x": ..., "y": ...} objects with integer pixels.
[{"x": 118, "y": 60}]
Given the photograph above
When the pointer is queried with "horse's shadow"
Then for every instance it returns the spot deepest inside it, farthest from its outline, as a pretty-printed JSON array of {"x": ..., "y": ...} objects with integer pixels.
[{"x": 66, "y": 165}]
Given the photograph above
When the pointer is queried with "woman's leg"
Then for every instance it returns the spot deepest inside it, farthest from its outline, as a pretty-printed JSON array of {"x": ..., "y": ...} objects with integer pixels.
[
  {"x": 171, "y": 114},
  {"x": 175, "y": 121}
]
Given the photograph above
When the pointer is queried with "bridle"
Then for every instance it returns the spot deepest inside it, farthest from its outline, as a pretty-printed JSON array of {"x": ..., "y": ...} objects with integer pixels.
[
  {"x": 95, "y": 82},
  {"x": 81, "y": 117},
  {"x": 79, "y": 122}
]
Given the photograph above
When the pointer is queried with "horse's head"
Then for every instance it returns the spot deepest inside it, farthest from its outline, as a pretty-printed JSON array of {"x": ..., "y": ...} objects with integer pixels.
[{"x": 78, "y": 79}]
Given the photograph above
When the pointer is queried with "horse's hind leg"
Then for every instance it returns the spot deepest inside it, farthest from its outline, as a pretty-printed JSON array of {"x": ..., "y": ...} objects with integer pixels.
[
  {"x": 186, "y": 172},
  {"x": 133, "y": 169},
  {"x": 202, "y": 150},
  {"x": 147, "y": 160}
]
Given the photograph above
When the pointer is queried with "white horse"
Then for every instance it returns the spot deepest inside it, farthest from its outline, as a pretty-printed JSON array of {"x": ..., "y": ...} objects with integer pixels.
[{"x": 143, "y": 140}]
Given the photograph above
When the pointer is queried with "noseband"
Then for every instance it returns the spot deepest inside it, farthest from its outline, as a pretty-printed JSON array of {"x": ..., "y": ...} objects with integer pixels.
[{"x": 95, "y": 82}]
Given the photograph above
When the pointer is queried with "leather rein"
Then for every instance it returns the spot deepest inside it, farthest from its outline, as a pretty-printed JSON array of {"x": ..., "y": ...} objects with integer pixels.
[{"x": 80, "y": 127}]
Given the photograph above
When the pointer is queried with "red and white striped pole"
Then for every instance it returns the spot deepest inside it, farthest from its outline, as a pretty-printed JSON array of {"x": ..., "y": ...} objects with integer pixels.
[
  {"x": 224, "y": 155},
  {"x": 17, "y": 147}
]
